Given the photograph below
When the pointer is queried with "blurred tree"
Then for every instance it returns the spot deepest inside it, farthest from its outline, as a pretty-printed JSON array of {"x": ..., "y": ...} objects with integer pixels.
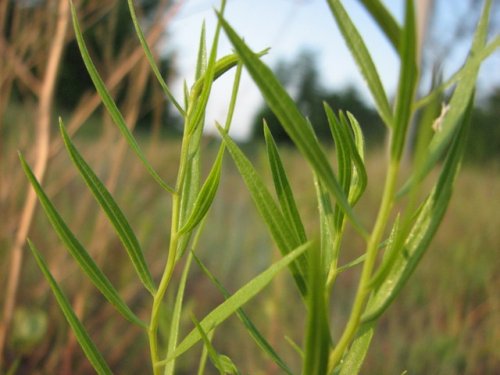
[
  {"x": 112, "y": 43},
  {"x": 302, "y": 79},
  {"x": 484, "y": 138},
  {"x": 108, "y": 36},
  {"x": 109, "y": 40}
]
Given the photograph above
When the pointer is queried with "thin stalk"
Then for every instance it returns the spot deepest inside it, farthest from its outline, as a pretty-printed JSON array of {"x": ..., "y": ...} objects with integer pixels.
[
  {"x": 165, "y": 281},
  {"x": 332, "y": 272},
  {"x": 46, "y": 99},
  {"x": 371, "y": 256},
  {"x": 172, "y": 254}
]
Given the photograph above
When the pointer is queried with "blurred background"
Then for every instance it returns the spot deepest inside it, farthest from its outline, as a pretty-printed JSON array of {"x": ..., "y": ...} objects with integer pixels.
[{"x": 446, "y": 320}]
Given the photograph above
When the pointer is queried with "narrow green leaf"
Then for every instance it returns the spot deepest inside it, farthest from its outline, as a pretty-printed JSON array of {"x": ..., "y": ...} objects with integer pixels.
[
  {"x": 363, "y": 59},
  {"x": 189, "y": 188},
  {"x": 186, "y": 93},
  {"x": 228, "y": 365},
  {"x": 110, "y": 104},
  {"x": 112, "y": 211},
  {"x": 151, "y": 59},
  {"x": 350, "y": 151},
  {"x": 351, "y": 264},
  {"x": 189, "y": 173},
  {"x": 351, "y": 364},
  {"x": 426, "y": 224},
  {"x": 78, "y": 252},
  {"x": 234, "y": 96},
  {"x": 428, "y": 219},
  {"x": 359, "y": 178},
  {"x": 408, "y": 78},
  {"x": 291, "y": 119},
  {"x": 202, "y": 60},
  {"x": 89, "y": 348},
  {"x": 282, "y": 187},
  {"x": 204, "y": 356},
  {"x": 359, "y": 139},
  {"x": 384, "y": 20},
  {"x": 457, "y": 106},
  {"x": 221, "y": 362},
  {"x": 343, "y": 151},
  {"x": 250, "y": 327},
  {"x": 223, "y": 65},
  {"x": 328, "y": 236},
  {"x": 476, "y": 59},
  {"x": 238, "y": 299},
  {"x": 390, "y": 254},
  {"x": 270, "y": 212},
  {"x": 176, "y": 317},
  {"x": 212, "y": 353},
  {"x": 403, "y": 225},
  {"x": 295, "y": 346},
  {"x": 196, "y": 112},
  {"x": 352, "y": 175},
  {"x": 428, "y": 115},
  {"x": 206, "y": 195},
  {"x": 317, "y": 345},
  {"x": 429, "y": 216}
]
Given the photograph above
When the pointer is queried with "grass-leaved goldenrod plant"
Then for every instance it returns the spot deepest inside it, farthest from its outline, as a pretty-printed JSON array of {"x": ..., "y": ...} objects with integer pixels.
[{"x": 394, "y": 242}]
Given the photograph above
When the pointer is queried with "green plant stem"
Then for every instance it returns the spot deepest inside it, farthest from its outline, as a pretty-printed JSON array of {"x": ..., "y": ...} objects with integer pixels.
[
  {"x": 332, "y": 272},
  {"x": 162, "y": 289},
  {"x": 371, "y": 256},
  {"x": 172, "y": 254}
]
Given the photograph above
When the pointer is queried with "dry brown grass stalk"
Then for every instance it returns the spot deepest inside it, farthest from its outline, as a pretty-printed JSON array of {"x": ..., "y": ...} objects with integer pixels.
[
  {"x": 33, "y": 65},
  {"x": 41, "y": 155},
  {"x": 100, "y": 241}
]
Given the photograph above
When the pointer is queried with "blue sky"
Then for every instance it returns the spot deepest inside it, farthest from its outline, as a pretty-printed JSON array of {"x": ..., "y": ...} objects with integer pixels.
[{"x": 288, "y": 27}]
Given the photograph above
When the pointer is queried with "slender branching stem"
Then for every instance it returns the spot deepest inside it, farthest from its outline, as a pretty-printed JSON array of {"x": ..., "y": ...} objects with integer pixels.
[
  {"x": 368, "y": 266},
  {"x": 172, "y": 255},
  {"x": 332, "y": 272},
  {"x": 162, "y": 289}
]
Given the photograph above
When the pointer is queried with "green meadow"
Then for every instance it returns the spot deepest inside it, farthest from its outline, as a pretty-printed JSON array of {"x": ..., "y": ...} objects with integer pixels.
[{"x": 446, "y": 320}]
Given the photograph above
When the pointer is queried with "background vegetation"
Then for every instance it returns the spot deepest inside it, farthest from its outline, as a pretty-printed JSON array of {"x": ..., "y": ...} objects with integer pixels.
[{"x": 445, "y": 323}]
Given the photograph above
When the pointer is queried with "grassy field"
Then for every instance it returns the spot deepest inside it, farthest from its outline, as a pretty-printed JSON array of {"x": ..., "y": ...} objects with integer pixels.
[{"x": 445, "y": 322}]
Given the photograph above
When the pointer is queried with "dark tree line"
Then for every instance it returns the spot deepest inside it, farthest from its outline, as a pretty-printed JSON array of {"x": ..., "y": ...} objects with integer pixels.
[
  {"x": 112, "y": 34},
  {"x": 484, "y": 137},
  {"x": 302, "y": 79},
  {"x": 26, "y": 29},
  {"x": 107, "y": 39}
]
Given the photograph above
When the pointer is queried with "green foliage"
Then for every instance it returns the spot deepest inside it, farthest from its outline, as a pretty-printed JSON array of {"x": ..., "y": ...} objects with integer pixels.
[
  {"x": 78, "y": 252},
  {"x": 386, "y": 263},
  {"x": 362, "y": 57},
  {"x": 233, "y": 303},
  {"x": 317, "y": 341},
  {"x": 92, "y": 353},
  {"x": 115, "y": 215},
  {"x": 252, "y": 330},
  {"x": 283, "y": 189}
]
